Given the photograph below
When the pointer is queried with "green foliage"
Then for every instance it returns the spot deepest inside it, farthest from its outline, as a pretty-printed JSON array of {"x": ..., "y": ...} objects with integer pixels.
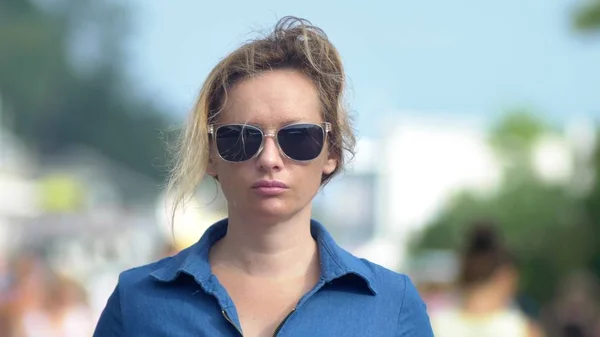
[
  {"x": 587, "y": 18},
  {"x": 57, "y": 100},
  {"x": 539, "y": 223},
  {"x": 592, "y": 208},
  {"x": 517, "y": 132},
  {"x": 543, "y": 225}
]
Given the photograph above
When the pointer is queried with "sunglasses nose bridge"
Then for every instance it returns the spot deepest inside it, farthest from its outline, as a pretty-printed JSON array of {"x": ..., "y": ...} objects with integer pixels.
[
  {"x": 266, "y": 136},
  {"x": 273, "y": 135}
]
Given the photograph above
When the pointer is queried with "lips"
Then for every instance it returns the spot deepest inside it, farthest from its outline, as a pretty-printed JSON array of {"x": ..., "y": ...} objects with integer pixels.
[
  {"x": 269, "y": 184},
  {"x": 269, "y": 188}
]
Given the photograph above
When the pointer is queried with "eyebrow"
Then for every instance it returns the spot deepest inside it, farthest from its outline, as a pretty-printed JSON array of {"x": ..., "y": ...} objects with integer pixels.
[
  {"x": 293, "y": 120},
  {"x": 284, "y": 123}
]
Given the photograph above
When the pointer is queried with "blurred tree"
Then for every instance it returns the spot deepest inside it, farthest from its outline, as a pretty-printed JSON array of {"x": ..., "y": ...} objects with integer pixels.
[
  {"x": 62, "y": 80},
  {"x": 587, "y": 17},
  {"x": 517, "y": 131},
  {"x": 513, "y": 139},
  {"x": 536, "y": 219},
  {"x": 592, "y": 204}
]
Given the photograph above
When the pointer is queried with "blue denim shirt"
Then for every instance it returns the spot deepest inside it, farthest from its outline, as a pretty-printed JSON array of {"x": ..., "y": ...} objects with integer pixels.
[{"x": 180, "y": 296}]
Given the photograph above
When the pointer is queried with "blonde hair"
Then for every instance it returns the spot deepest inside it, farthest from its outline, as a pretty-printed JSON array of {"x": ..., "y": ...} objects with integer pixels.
[{"x": 294, "y": 44}]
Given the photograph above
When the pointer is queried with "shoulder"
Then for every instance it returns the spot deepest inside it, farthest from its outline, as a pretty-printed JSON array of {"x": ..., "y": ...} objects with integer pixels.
[
  {"x": 165, "y": 269},
  {"x": 390, "y": 283},
  {"x": 446, "y": 316},
  {"x": 124, "y": 296},
  {"x": 528, "y": 326},
  {"x": 400, "y": 292},
  {"x": 534, "y": 329},
  {"x": 133, "y": 282},
  {"x": 133, "y": 276},
  {"x": 138, "y": 282},
  {"x": 448, "y": 322}
]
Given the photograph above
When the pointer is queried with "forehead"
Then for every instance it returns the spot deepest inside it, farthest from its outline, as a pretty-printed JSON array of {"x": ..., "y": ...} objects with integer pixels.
[{"x": 271, "y": 99}]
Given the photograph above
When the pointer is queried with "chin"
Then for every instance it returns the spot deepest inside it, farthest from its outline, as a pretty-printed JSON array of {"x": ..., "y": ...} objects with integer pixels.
[{"x": 273, "y": 209}]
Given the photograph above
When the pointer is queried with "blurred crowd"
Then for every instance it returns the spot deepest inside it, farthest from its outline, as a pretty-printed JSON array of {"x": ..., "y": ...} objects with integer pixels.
[{"x": 38, "y": 301}]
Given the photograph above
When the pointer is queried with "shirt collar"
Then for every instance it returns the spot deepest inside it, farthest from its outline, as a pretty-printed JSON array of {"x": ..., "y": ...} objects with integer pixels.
[{"x": 336, "y": 263}]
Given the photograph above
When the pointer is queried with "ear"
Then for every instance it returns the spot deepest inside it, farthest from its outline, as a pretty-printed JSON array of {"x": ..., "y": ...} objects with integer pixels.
[
  {"x": 211, "y": 167},
  {"x": 330, "y": 165}
]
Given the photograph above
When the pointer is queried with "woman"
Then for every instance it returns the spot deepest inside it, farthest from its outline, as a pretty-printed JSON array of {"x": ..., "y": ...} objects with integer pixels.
[
  {"x": 488, "y": 281},
  {"x": 270, "y": 127}
]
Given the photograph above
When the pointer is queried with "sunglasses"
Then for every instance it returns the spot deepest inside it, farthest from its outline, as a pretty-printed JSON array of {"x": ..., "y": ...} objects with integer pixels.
[{"x": 241, "y": 142}]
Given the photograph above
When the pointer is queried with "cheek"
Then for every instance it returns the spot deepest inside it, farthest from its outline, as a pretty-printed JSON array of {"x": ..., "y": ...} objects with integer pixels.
[
  {"x": 229, "y": 174},
  {"x": 231, "y": 187},
  {"x": 311, "y": 175}
]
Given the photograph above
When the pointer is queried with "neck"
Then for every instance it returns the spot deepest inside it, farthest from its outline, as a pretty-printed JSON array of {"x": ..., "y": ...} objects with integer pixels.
[
  {"x": 260, "y": 248},
  {"x": 484, "y": 300}
]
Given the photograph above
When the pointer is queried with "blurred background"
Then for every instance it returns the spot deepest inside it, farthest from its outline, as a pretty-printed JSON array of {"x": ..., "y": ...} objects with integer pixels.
[{"x": 466, "y": 112}]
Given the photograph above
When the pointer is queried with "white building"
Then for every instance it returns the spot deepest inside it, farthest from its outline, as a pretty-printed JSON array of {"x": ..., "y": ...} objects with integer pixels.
[
  {"x": 427, "y": 160},
  {"x": 423, "y": 160}
]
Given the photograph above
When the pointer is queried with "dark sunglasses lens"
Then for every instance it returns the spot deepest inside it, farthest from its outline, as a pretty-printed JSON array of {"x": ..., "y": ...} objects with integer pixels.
[
  {"x": 238, "y": 142},
  {"x": 301, "y": 141}
]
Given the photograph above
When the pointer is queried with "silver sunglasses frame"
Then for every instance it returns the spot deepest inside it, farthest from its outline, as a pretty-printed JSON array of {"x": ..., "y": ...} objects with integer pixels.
[{"x": 325, "y": 128}]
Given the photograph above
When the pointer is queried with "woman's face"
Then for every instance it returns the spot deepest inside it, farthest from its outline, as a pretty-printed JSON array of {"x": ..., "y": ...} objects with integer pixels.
[
  {"x": 506, "y": 280},
  {"x": 270, "y": 101}
]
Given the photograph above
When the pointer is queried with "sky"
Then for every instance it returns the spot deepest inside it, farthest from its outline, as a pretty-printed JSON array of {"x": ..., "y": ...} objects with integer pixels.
[{"x": 451, "y": 58}]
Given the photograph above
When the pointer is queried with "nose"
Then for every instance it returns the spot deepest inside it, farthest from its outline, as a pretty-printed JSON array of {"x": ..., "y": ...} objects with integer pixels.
[{"x": 269, "y": 158}]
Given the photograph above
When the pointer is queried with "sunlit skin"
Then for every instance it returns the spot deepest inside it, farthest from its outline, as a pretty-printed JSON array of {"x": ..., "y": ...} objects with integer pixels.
[
  {"x": 495, "y": 295},
  {"x": 268, "y": 258},
  {"x": 271, "y": 100}
]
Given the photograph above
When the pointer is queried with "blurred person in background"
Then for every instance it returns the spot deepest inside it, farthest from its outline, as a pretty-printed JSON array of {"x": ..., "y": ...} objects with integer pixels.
[
  {"x": 65, "y": 312},
  {"x": 5, "y": 297},
  {"x": 488, "y": 282},
  {"x": 68, "y": 311},
  {"x": 437, "y": 296},
  {"x": 26, "y": 293},
  {"x": 434, "y": 273},
  {"x": 576, "y": 310},
  {"x": 41, "y": 302},
  {"x": 271, "y": 127}
]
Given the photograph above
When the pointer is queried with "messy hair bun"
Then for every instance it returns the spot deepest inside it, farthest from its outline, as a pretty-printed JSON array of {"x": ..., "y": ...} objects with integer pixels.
[
  {"x": 484, "y": 254},
  {"x": 483, "y": 238}
]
